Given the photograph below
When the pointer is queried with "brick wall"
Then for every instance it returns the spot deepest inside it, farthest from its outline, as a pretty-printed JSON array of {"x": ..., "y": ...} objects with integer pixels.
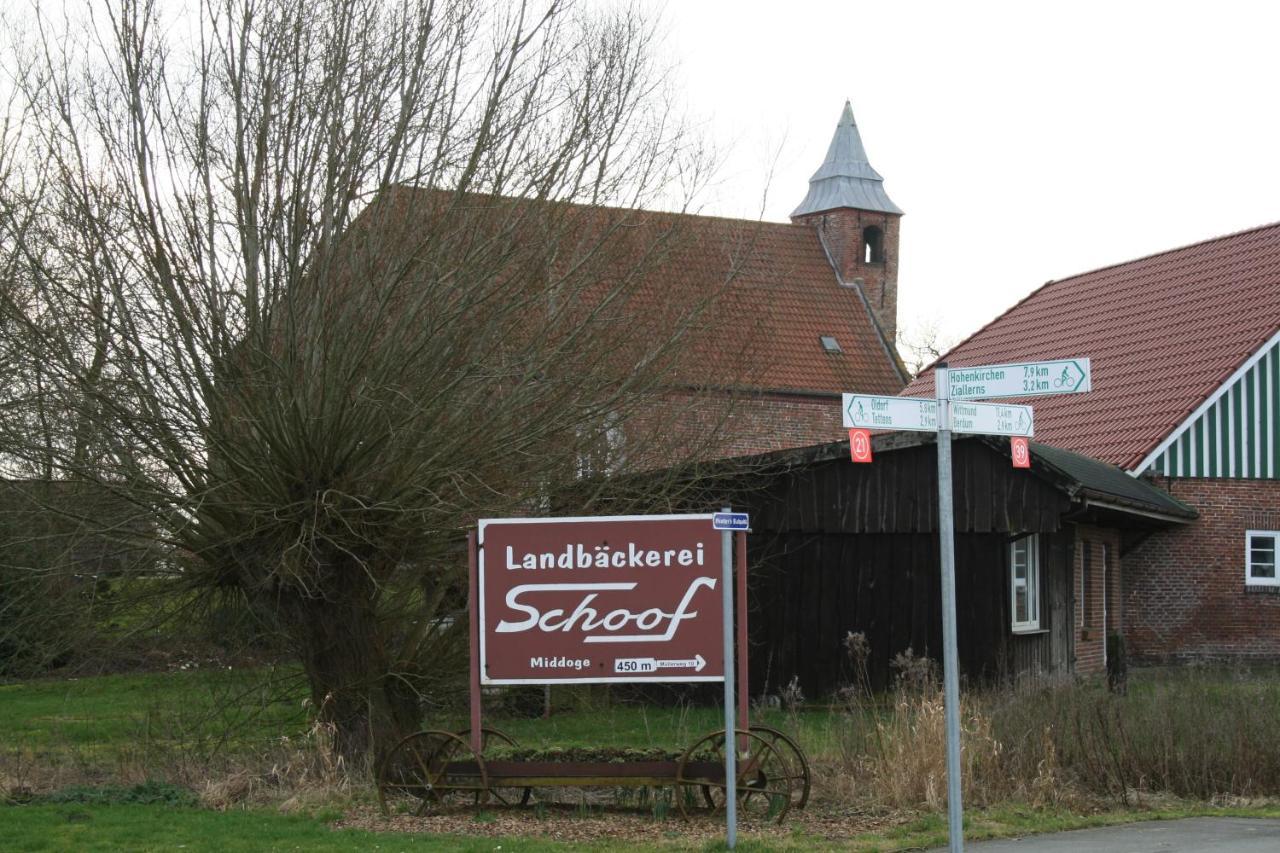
[
  {"x": 1185, "y": 588},
  {"x": 721, "y": 425},
  {"x": 1100, "y": 548},
  {"x": 842, "y": 234}
]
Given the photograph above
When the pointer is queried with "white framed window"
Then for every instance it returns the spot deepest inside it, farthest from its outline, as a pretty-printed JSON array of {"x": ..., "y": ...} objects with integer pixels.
[
  {"x": 1260, "y": 548},
  {"x": 1024, "y": 583}
]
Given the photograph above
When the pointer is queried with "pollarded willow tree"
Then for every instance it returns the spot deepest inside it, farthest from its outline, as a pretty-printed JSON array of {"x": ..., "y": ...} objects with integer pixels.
[{"x": 321, "y": 281}]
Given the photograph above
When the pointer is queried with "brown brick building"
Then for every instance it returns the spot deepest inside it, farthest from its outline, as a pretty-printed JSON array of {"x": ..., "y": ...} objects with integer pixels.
[
  {"x": 1185, "y": 348},
  {"x": 790, "y": 314}
]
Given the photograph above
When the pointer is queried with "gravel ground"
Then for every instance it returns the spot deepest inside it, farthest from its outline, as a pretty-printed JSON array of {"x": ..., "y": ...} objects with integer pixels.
[{"x": 602, "y": 823}]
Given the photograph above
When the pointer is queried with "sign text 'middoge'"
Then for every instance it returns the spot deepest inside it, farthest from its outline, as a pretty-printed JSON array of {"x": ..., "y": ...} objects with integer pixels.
[{"x": 566, "y": 600}]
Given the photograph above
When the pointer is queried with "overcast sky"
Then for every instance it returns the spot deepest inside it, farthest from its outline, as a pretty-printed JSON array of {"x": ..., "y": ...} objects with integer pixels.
[{"x": 1025, "y": 141}]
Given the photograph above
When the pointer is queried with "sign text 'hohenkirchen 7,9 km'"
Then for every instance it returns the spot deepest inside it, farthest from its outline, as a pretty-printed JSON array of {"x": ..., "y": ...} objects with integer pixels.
[{"x": 1023, "y": 379}]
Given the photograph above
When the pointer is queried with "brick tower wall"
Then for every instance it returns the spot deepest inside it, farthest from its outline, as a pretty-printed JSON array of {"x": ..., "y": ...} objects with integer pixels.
[{"x": 842, "y": 233}]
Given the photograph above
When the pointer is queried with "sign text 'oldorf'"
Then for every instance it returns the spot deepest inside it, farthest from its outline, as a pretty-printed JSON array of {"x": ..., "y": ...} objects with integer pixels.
[
  {"x": 612, "y": 598},
  {"x": 912, "y": 413}
]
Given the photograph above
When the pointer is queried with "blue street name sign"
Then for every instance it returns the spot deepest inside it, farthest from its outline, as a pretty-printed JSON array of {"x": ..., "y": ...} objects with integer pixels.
[{"x": 730, "y": 521}]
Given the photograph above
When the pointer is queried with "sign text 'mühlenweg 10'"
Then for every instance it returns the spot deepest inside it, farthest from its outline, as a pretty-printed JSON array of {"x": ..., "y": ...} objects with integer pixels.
[{"x": 600, "y": 599}]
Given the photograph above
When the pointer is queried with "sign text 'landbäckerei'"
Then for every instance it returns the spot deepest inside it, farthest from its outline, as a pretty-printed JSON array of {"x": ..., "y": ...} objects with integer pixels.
[{"x": 612, "y": 598}]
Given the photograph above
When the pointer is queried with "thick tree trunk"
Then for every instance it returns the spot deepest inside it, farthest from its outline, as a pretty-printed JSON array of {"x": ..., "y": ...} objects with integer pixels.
[{"x": 344, "y": 654}]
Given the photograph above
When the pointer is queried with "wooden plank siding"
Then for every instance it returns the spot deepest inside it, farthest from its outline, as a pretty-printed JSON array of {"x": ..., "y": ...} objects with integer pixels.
[
  {"x": 1235, "y": 433},
  {"x": 838, "y": 547}
]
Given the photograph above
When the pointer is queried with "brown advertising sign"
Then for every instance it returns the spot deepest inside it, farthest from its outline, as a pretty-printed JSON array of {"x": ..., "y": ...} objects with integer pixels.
[{"x": 610, "y": 598}]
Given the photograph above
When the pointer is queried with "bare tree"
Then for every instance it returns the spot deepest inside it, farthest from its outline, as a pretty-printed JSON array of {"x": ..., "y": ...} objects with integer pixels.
[
  {"x": 313, "y": 293},
  {"x": 923, "y": 342}
]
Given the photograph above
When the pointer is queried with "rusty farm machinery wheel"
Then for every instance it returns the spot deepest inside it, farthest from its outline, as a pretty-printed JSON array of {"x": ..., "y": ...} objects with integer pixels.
[
  {"x": 765, "y": 781},
  {"x": 496, "y": 737},
  {"x": 431, "y": 768}
]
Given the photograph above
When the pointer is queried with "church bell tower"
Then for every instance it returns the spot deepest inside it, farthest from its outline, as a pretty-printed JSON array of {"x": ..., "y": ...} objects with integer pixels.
[{"x": 856, "y": 222}]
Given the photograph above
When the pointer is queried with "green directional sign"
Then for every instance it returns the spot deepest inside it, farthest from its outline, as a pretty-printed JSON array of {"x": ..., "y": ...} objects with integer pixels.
[
  {"x": 868, "y": 411},
  {"x": 992, "y": 419},
  {"x": 1023, "y": 379}
]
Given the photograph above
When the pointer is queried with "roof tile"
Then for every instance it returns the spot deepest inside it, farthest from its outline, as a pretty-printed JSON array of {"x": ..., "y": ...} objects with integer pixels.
[{"x": 1163, "y": 332}]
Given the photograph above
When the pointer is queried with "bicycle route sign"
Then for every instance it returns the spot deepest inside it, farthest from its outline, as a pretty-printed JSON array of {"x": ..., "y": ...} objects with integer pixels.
[
  {"x": 866, "y": 411},
  {"x": 1022, "y": 379},
  {"x": 600, "y": 599}
]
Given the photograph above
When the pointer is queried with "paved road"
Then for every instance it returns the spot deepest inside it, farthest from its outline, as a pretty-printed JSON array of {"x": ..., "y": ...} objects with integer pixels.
[{"x": 1190, "y": 835}]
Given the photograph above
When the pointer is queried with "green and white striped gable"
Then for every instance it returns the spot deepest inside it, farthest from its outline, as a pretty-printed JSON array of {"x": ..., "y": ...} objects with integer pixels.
[{"x": 1235, "y": 433}]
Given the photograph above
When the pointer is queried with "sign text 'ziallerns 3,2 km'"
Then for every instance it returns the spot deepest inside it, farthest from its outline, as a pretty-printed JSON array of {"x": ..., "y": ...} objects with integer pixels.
[{"x": 610, "y": 598}]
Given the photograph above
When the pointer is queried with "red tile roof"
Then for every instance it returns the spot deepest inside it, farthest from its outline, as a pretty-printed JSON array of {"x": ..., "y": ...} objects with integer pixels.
[
  {"x": 782, "y": 298},
  {"x": 778, "y": 294},
  {"x": 1163, "y": 333}
]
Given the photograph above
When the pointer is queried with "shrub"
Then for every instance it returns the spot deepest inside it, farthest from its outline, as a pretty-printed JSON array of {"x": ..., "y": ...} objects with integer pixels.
[{"x": 151, "y": 792}]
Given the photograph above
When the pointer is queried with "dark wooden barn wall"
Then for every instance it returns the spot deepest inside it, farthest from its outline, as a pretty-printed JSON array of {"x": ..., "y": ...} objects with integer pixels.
[
  {"x": 838, "y": 547},
  {"x": 808, "y": 591},
  {"x": 1050, "y": 651},
  {"x": 898, "y": 493}
]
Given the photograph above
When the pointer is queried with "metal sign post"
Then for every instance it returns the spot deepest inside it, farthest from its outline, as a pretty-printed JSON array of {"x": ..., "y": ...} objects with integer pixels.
[
  {"x": 730, "y": 724},
  {"x": 950, "y": 656},
  {"x": 964, "y": 384}
]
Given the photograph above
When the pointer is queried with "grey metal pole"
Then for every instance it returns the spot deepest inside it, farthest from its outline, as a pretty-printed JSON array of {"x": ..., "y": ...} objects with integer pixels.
[
  {"x": 730, "y": 704},
  {"x": 950, "y": 657}
]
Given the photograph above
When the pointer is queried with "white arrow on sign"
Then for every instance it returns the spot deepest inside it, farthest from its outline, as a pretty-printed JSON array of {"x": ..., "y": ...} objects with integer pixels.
[
  {"x": 866, "y": 411},
  {"x": 992, "y": 419},
  {"x": 1024, "y": 379},
  {"x": 652, "y": 664},
  {"x": 914, "y": 413}
]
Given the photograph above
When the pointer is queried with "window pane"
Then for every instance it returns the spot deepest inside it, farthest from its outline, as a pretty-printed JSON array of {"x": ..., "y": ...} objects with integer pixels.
[
  {"x": 1262, "y": 556},
  {"x": 1024, "y": 584},
  {"x": 1033, "y": 594}
]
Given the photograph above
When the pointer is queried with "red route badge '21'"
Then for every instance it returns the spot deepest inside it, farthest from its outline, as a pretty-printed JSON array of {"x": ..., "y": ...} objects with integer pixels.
[
  {"x": 860, "y": 445},
  {"x": 612, "y": 598}
]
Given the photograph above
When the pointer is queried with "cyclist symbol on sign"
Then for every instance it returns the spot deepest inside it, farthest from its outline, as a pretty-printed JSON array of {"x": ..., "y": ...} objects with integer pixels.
[{"x": 1064, "y": 379}]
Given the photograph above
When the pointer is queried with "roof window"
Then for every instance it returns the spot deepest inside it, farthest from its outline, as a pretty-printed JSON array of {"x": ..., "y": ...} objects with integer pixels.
[{"x": 829, "y": 343}]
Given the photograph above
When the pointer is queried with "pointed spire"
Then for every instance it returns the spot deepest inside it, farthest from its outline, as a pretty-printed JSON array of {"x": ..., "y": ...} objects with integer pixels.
[{"x": 845, "y": 178}]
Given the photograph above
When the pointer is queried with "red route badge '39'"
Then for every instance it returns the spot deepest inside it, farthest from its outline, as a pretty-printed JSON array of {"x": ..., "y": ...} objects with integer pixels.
[{"x": 612, "y": 598}]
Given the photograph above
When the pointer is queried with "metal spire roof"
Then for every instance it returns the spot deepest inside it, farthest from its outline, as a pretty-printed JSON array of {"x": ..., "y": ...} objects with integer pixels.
[{"x": 845, "y": 178}]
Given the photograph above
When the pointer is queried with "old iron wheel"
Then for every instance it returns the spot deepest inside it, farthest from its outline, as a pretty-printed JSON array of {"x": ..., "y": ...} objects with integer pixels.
[
  {"x": 491, "y": 736},
  {"x": 417, "y": 768},
  {"x": 764, "y": 783},
  {"x": 797, "y": 763}
]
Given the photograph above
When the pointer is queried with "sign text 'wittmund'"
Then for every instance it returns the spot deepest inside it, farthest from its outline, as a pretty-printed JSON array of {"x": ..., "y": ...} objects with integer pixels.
[{"x": 863, "y": 411}]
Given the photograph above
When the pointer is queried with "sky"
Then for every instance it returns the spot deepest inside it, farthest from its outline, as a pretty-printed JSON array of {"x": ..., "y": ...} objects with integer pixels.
[{"x": 1026, "y": 141}]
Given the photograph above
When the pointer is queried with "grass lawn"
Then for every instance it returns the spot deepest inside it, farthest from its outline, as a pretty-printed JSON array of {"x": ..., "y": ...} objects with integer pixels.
[
  {"x": 122, "y": 827},
  {"x": 104, "y": 719},
  {"x": 143, "y": 828},
  {"x": 93, "y": 727}
]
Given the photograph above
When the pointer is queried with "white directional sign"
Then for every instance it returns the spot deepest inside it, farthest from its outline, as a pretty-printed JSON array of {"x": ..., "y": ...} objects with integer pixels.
[
  {"x": 641, "y": 665},
  {"x": 1024, "y": 379},
  {"x": 914, "y": 413},
  {"x": 868, "y": 412},
  {"x": 992, "y": 419}
]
